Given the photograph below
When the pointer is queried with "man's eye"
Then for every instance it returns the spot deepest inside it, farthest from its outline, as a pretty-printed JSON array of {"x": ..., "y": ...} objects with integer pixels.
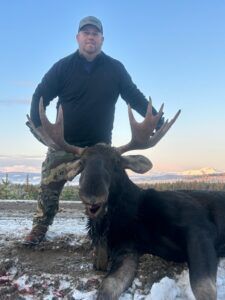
[{"x": 90, "y": 33}]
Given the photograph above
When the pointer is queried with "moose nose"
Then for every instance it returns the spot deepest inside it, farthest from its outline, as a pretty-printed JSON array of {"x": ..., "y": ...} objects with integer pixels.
[{"x": 92, "y": 199}]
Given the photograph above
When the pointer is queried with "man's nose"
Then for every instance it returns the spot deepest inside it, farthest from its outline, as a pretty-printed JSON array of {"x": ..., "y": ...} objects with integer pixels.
[{"x": 91, "y": 34}]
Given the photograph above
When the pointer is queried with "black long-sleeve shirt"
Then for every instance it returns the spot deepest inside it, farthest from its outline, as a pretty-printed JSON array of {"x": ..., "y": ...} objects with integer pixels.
[{"x": 88, "y": 94}]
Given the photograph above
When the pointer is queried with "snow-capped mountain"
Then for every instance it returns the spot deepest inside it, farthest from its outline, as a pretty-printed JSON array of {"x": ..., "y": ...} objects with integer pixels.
[
  {"x": 205, "y": 173},
  {"x": 202, "y": 171}
]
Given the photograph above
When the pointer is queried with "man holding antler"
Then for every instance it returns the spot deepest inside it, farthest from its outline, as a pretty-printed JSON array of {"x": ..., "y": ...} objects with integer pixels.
[{"x": 87, "y": 84}]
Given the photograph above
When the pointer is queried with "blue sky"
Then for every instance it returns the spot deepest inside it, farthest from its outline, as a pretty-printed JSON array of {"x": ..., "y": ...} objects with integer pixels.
[{"x": 174, "y": 51}]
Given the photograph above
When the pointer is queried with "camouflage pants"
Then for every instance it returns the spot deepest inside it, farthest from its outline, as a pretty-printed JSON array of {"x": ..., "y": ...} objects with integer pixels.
[{"x": 48, "y": 199}]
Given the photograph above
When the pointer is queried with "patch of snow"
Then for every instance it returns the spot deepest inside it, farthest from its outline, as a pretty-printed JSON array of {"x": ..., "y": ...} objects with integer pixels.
[
  {"x": 78, "y": 295},
  {"x": 165, "y": 289},
  {"x": 221, "y": 280},
  {"x": 64, "y": 284},
  {"x": 18, "y": 227}
]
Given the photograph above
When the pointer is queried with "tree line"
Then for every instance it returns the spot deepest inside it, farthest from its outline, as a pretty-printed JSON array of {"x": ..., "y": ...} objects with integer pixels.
[{"x": 29, "y": 191}]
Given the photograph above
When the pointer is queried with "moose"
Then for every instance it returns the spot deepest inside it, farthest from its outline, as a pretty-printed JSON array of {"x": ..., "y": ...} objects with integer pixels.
[{"x": 125, "y": 221}]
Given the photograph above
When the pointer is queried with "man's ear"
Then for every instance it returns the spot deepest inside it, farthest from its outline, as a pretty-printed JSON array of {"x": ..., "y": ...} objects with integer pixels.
[{"x": 137, "y": 163}]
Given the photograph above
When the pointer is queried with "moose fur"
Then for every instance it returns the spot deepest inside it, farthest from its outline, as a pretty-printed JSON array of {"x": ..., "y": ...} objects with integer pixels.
[{"x": 126, "y": 221}]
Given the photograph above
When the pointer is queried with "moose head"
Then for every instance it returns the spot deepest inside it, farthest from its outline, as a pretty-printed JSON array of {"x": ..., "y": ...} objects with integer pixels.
[{"x": 100, "y": 165}]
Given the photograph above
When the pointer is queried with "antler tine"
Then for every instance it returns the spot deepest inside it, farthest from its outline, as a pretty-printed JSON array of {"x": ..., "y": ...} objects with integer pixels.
[
  {"x": 54, "y": 131},
  {"x": 163, "y": 130},
  {"x": 144, "y": 134},
  {"x": 39, "y": 134},
  {"x": 149, "y": 114},
  {"x": 52, "y": 135}
]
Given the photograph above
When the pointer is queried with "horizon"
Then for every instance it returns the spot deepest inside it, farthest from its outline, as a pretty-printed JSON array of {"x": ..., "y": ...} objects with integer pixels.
[
  {"x": 174, "y": 52},
  {"x": 204, "y": 175},
  {"x": 207, "y": 169}
]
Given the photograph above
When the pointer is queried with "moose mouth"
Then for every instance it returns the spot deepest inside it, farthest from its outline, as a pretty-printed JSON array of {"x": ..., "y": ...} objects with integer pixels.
[{"x": 94, "y": 210}]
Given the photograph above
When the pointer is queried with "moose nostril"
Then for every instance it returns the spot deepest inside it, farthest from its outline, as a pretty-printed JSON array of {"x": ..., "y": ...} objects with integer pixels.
[
  {"x": 94, "y": 208},
  {"x": 90, "y": 200}
]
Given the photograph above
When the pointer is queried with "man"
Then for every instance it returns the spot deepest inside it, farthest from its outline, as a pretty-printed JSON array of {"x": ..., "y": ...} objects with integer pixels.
[{"x": 88, "y": 84}]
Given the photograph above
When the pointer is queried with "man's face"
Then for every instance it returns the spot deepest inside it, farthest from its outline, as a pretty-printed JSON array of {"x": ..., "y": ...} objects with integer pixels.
[{"x": 89, "y": 40}]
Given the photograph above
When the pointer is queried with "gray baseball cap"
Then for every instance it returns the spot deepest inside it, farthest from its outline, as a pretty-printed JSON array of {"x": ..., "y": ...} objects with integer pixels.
[{"x": 91, "y": 21}]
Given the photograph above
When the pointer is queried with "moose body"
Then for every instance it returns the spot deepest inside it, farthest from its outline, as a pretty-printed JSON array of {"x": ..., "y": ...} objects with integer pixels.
[
  {"x": 126, "y": 221},
  {"x": 182, "y": 226}
]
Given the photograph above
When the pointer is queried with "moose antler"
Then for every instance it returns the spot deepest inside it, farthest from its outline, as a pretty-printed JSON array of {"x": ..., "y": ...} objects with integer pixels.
[
  {"x": 144, "y": 134},
  {"x": 52, "y": 135}
]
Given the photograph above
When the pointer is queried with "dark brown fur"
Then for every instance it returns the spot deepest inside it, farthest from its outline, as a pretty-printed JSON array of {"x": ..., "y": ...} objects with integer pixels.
[{"x": 176, "y": 225}]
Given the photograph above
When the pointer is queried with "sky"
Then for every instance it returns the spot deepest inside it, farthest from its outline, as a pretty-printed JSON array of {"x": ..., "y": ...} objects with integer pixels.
[{"x": 174, "y": 51}]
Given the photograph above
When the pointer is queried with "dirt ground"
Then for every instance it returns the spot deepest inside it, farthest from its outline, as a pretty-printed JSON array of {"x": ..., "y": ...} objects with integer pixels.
[{"x": 58, "y": 267}]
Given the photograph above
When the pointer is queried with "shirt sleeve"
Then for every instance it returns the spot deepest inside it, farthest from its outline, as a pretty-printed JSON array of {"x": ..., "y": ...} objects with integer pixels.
[
  {"x": 48, "y": 88},
  {"x": 132, "y": 95}
]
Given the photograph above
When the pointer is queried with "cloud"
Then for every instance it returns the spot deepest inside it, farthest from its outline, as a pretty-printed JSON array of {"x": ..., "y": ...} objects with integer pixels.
[
  {"x": 20, "y": 168},
  {"x": 25, "y": 157},
  {"x": 30, "y": 164}
]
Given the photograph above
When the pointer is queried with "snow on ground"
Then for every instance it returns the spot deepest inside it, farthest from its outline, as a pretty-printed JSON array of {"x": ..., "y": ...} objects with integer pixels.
[
  {"x": 165, "y": 289},
  {"x": 19, "y": 227}
]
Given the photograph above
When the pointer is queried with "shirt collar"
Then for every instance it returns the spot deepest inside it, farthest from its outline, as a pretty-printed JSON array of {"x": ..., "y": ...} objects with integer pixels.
[{"x": 98, "y": 59}]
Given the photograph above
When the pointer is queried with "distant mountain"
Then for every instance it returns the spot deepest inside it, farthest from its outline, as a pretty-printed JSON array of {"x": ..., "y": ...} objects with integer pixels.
[
  {"x": 203, "y": 174},
  {"x": 21, "y": 177},
  {"x": 202, "y": 171}
]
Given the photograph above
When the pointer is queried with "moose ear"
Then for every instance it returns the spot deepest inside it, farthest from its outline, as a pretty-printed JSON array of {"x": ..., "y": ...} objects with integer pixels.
[{"x": 137, "y": 163}]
